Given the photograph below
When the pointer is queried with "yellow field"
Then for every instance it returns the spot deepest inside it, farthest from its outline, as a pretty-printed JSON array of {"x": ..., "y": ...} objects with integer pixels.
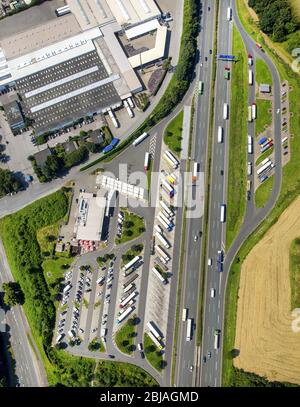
[
  {"x": 264, "y": 336},
  {"x": 296, "y": 7}
]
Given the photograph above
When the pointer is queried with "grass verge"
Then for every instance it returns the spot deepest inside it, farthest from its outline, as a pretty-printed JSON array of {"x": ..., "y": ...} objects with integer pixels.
[
  {"x": 173, "y": 134},
  {"x": 263, "y": 192},
  {"x": 125, "y": 337},
  {"x": 264, "y": 117},
  {"x": 133, "y": 227},
  {"x": 295, "y": 273},
  {"x": 237, "y": 141},
  {"x": 264, "y": 155},
  {"x": 262, "y": 73},
  {"x": 153, "y": 354}
]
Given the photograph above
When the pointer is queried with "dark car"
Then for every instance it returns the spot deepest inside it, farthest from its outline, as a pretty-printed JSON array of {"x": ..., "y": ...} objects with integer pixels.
[
  {"x": 210, "y": 51},
  {"x": 111, "y": 356},
  {"x": 205, "y": 58}
]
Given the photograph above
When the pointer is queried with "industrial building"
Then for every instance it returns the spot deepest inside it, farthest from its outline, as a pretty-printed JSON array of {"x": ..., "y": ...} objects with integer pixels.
[
  {"x": 73, "y": 64},
  {"x": 89, "y": 220}
]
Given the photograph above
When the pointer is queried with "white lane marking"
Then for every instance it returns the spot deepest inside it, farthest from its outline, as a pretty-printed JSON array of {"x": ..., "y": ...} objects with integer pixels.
[
  {"x": 219, "y": 304},
  {"x": 218, "y": 318}
]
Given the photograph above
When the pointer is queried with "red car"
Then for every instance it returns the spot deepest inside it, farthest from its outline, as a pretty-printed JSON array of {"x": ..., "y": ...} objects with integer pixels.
[
  {"x": 227, "y": 68},
  {"x": 250, "y": 56}
]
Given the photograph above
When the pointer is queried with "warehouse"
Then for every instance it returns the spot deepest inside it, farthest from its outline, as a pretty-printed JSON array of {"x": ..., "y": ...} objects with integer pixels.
[{"x": 89, "y": 220}]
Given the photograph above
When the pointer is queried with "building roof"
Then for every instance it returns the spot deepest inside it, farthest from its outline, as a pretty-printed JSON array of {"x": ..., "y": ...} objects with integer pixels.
[
  {"x": 51, "y": 55},
  {"x": 90, "y": 13},
  {"x": 96, "y": 136},
  {"x": 142, "y": 29},
  {"x": 69, "y": 146},
  {"x": 133, "y": 11},
  {"x": 90, "y": 217},
  {"x": 120, "y": 59},
  {"x": 152, "y": 54},
  {"x": 265, "y": 88},
  {"x": 13, "y": 114},
  {"x": 41, "y": 156},
  {"x": 43, "y": 35}
]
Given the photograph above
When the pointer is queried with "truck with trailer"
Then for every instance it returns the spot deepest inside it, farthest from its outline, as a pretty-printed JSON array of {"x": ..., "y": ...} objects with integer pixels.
[
  {"x": 225, "y": 111},
  {"x": 160, "y": 264},
  {"x": 168, "y": 221},
  {"x": 166, "y": 208},
  {"x": 229, "y": 13},
  {"x": 217, "y": 333},
  {"x": 167, "y": 225},
  {"x": 249, "y": 168},
  {"x": 172, "y": 158},
  {"x": 264, "y": 167},
  {"x": 250, "y": 77},
  {"x": 249, "y": 114},
  {"x": 189, "y": 329},
  {"x": 129, "y": 111},
  {"x": 156, "y": 341},
  {"x": 155, "y": 331},
  {"x": 201, "y": 87},
  {"x": 130, "y": 280},
  {"x": 125, "y": 314},
  {"x": 132, "y": 263},
  {"x": 250, "y": 144},
  {"x": 167, "y": 188},
  {"x": 129, "y": 287},
  {"x": 266, "y": 147},
  {"x": 140, "y": 139},
  {"x": 162, "y": 253},
  {"x": 222, "y": 213},
  {"x": 146, "y": 161},
  {"x": 158, "y": 274},
  {"x": 195, "y": 172},
  {"x": 128, "y": 299},
  {"x": 254, "y": 111},
  {"x": 220, "y": 134},
  {"x": 169, "y": 161},
  {"x": 162, "y": 240}
]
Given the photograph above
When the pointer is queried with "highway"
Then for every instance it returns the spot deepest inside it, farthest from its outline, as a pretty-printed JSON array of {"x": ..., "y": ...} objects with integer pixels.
[
  {"x": 187, "y": 350},
  {"x": 214, "y": 316},
  {"x": 29, "y": 368}
]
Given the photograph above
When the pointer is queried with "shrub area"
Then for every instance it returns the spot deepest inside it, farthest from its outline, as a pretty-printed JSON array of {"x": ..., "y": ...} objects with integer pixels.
[
  {"x": 8, "y": 182},
  {"x": 275, "y": 18}
]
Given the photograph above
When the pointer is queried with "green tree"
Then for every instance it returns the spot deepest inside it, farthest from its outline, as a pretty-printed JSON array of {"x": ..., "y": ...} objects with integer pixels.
[
  {"x": 13, "y": 294},
  {"x": 8, "y": 182}
]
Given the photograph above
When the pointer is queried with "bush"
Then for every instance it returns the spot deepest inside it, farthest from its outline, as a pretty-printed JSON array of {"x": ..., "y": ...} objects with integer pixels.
[
  {"x": 76, "y": 157},
  {"x": 275, "y": 18}
]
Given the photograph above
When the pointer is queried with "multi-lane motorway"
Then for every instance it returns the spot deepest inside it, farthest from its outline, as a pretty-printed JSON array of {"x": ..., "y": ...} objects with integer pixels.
[
  {"x": 187, "y": 350},
  {"x": 214, "y": 316}
]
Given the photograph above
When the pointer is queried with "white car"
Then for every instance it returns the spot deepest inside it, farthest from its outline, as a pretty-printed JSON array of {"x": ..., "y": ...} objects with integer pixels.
[
  {"x": 195, "y": 238},
  {"x": 191, "y": 368},
  {"x": 209, "y": 261},
  {"x": 278, "y": 111},
  {"x": 81, "y": 330},
  {"x": 212, "y": 293}
]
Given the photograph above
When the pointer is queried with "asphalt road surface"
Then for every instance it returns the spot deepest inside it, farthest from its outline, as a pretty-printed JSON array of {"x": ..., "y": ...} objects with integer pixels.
[
  {"x": 187, "y": 350},
  {"x": 214, "y": 318}
]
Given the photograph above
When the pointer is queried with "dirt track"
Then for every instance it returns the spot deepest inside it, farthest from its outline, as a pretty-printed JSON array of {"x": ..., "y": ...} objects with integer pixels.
[{"x": 264, "y": 336}]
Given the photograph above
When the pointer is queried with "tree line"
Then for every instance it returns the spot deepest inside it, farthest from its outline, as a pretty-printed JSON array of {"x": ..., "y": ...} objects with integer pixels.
[{"x": 275, "y": 18}]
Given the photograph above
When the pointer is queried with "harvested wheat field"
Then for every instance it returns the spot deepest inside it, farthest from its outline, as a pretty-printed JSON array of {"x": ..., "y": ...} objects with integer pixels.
[{"x": 264, "y": 336}]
